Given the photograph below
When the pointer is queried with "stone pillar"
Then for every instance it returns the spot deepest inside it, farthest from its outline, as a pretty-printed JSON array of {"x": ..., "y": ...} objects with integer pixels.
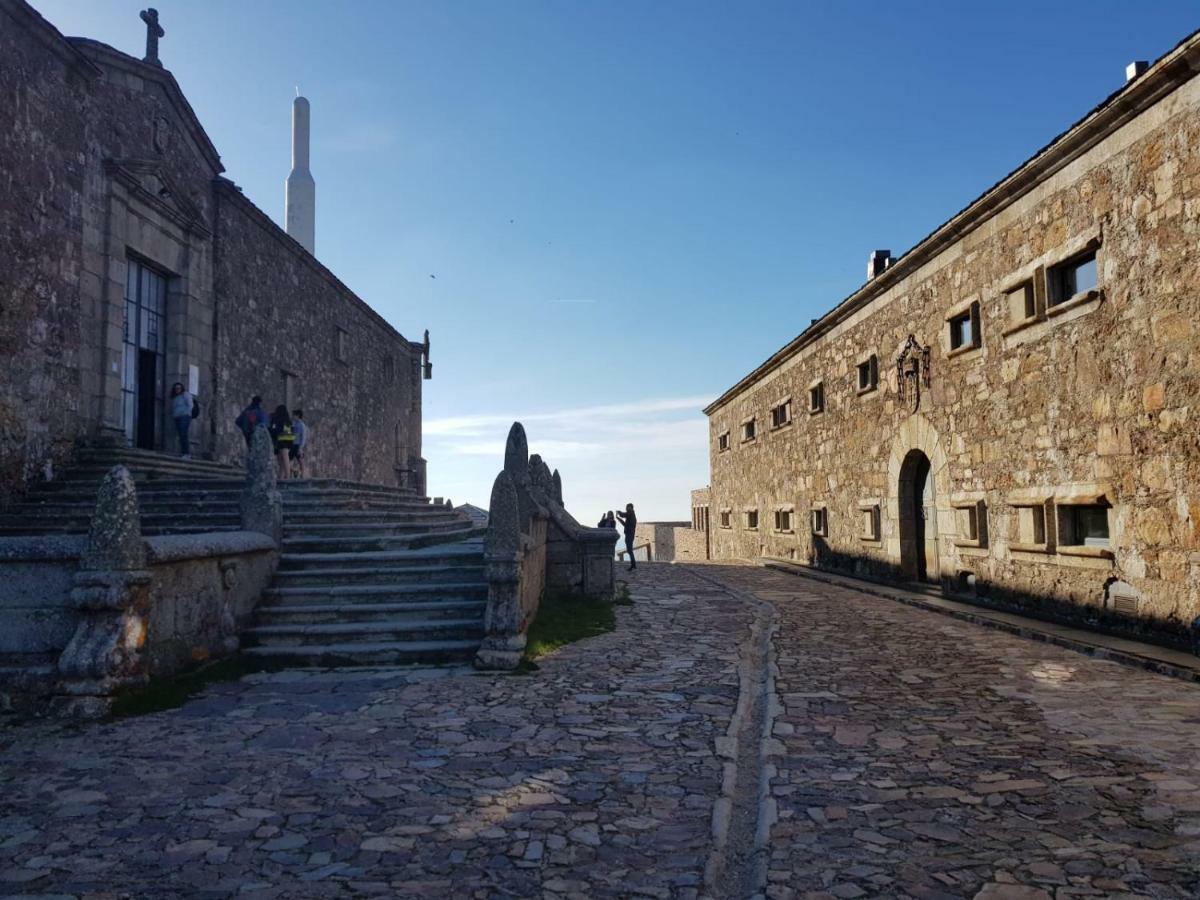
[
  {"x": 112, "y": 592},
  {"x": 261, "y": 504},
  {"x": 504, "y": 641}
]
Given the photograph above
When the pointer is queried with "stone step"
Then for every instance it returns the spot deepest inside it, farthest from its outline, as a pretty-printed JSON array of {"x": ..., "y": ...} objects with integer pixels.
[
  {"x": 410, "y": 524},
  {"x": 378, "y": 653},
  {"x": 434, "y": 574},
  {"x": 83, "y": 527},
  {"x": 341, "y": 545},
  {"x": 80, "y": 491},
  {"x": 386, "y": 560},
  {"x": 412, "y": 611},
  {"x": 367, "y": 632},
  {"x": 349, "y": 594}
]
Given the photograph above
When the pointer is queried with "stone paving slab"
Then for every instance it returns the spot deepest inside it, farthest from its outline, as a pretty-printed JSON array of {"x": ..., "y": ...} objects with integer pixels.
[
  {"x": 594, "y": 777},
  {"x": 921, "y": 756}
]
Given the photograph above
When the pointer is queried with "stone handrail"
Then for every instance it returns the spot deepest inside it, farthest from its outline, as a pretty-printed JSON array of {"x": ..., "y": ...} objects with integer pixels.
[{"x": 533, "y": 545}]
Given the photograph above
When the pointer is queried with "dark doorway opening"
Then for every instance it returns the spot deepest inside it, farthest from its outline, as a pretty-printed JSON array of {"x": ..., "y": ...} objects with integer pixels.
[
  {"x": 918, "y": 518},
  {"x": 147, "y": 380}
]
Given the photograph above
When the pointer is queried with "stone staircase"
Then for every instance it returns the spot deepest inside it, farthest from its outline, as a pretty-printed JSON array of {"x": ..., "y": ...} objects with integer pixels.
[
  {"x": 371, "y": 575},
  {"x": 176, "y": 496}
]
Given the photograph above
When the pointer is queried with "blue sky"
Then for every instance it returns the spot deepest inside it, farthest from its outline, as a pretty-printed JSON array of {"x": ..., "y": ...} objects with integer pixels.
[{"x": 627, "y": 205}]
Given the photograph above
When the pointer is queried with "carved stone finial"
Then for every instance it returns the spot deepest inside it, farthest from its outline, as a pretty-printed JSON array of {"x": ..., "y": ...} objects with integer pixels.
[
  {"x": 558, "y": 494},
  {"x": 115, "y": 537},
  {"x": 154, "y": 31},
  {"x": 504, "y": 519},
  {"x": 516, "y": 453},
  {"x": 261, "y": 505}
]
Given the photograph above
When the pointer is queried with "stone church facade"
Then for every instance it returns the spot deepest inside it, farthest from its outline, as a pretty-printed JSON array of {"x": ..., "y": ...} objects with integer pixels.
[
  {"x": 1010, "y": 409},
  {"x": 129, "y": 262}
]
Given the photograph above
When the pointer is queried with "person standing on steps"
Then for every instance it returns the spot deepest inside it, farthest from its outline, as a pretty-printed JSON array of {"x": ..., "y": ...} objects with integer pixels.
[
  {"x": 253, "y": 416},
  {"x": 183, "y": 410},
  {"x": 629, "y": 523},
  {"x": 297, "y": 453},
  {"x": 284, "y": 439},
  {"x": 608, "y": 520}
]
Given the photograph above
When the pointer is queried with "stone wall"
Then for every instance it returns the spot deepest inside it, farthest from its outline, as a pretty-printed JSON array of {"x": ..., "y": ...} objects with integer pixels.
[
  {"x": 670, "y": 541},
  {"x": 1090, "y": 401},
  {"x": 284, "y": 318}
]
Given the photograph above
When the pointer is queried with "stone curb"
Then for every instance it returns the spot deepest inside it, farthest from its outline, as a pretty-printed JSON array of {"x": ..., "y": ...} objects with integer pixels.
[{"x": 1030, "y": 629}]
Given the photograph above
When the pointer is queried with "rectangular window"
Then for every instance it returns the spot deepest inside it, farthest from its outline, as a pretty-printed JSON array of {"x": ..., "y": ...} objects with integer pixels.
[
  {"x": 1071, "y": 279},
  {"x": 870, "y": 522},
  {"x": 816, "y": 398},
  {"x": 783, "y": 520},
  {"x": 964, "y": 329},
  {"x": 752, "y": 519},
  {"x": 389, "y": 369},
  {"x": 1031, "y": 526},
  {"x": 723, "y": 442},
  {"x": 1021, "y": 303},
  {"x": 343, "y": 345},
  {"x": 725, "y": 519},
  {"x": 782, "y": 414},
  {"x": 1083, "y": 526},
  {"x": 749, "y": 430},
  {"x": 868, "y": 374},
  {"x": 820, "y": 521}
]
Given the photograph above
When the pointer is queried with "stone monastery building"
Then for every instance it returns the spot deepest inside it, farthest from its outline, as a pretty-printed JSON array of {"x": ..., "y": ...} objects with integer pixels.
[
  {"x": 129, "y": 262},
  {"x": 1010, "y": 408}
]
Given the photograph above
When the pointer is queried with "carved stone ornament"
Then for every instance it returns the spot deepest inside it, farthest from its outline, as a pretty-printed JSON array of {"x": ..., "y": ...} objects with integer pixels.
[
  {"x": 161, "y": 137},
  {"x": 912, "y": 373}
]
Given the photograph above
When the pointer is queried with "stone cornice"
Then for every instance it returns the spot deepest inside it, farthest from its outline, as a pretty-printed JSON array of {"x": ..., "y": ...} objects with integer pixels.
[
  {"x": 181, "y": 211},
  {"x": 226, "y": 189},
  {"x": 1170, "y": 72},
  {"x": 102, "y": 55}
]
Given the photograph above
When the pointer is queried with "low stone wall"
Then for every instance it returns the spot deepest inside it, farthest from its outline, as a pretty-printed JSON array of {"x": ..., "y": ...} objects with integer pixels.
[
  {"x": 670, "y": 541},
  {"x": 36, "y": 577}
]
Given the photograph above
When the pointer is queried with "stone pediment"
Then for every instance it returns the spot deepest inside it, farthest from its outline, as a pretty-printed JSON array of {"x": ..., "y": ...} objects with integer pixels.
[{"x": 149, "y": 182}]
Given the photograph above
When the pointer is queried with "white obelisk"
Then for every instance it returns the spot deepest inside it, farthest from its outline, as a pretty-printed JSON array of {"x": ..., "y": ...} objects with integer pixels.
[{"x": 300, "y": 191}]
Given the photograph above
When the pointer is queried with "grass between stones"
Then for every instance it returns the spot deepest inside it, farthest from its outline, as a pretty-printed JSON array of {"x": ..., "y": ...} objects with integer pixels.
[
  {"x": 564, "y": 619},
  {"x": 172, "y": 692}
]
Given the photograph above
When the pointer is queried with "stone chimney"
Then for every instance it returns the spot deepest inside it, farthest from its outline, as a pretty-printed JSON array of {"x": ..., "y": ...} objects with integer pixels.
[
  {"x": 878, "y": 262},
  {"x": 1134, "y": 69}
]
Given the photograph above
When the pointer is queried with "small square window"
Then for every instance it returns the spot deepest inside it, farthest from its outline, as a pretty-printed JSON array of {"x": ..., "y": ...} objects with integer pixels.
[
  {"x": 870, "y": 522},
  {"x": 820, "y": 521},
  {"x": 1072, "y": 278},
  {"x": 1031, "y": 525},
  {"x": 749, "y": 430},
  {"x": 752, "y": 519},
  {"x": 1083, "y": 526},
  {"x": 725, "y": 519},
  {"x": 1021, "y": 303},
  {"x": 816, "y": 398},
  {"x": 783, "y": 520},
  {"x": 868, "y": 374},
  {"x": 723, "y": 441},
  {"x": 964, "y": 329},
  {"x": 782, "y": 414}
]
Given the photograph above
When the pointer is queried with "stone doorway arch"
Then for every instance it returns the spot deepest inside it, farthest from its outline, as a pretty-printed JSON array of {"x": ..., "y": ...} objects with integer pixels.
[{"x": 919, "y": 516}]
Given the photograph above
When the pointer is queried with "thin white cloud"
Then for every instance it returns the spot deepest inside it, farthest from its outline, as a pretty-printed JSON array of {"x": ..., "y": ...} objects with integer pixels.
[{"x": 595, "y": 416}]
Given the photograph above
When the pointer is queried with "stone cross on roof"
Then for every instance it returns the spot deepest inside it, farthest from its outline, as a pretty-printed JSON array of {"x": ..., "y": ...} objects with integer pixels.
[{"x": 153, "y": 32}]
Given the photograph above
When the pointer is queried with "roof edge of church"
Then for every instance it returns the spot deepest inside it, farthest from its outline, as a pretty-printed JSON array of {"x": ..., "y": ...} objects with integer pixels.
[
  {"x": 229, "y": 188},
  {"x": 50, "y": 36},
  {"x": 1169, "y": 72},
  {"x": 99, "y": 52}
]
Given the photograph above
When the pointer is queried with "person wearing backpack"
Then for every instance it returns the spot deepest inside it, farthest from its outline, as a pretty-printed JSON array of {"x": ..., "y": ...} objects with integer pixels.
[
  {"x": 253, "y": 416},
  {"x": 283, "y": 437},
  {"x": 184, "y": 408}
]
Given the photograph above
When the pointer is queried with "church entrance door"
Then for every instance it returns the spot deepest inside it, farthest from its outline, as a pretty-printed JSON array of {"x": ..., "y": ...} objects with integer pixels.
[
  {"x": 143, "y": 392},
  {"x": 918, "y": 519}
]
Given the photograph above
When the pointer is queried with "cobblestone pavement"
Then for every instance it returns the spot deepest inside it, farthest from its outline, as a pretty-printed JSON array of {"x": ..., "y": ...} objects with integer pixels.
[
  {"x": 913, "y": 756},
  {"x": 922, "y": 756},
  {"x": 596, "y": 776}
]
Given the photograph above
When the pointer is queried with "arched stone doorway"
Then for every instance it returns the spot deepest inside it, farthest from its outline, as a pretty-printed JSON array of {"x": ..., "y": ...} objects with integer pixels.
[
  {"x": 918, "y": 518},
  {"x": 919, "y": 526}
]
